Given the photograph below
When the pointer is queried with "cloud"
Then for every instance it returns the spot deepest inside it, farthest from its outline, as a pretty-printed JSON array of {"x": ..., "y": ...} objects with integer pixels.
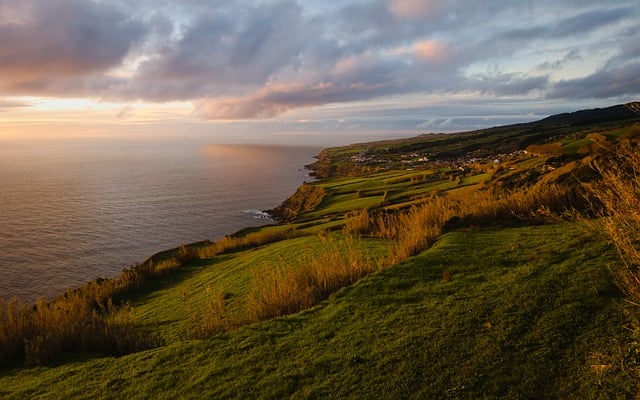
[
  {"x": 227, "y": 53},
  {"x": 125, "y": 112},
  {"x": 10, "y": 104},
  {"x": 578, "y": 24},
  {"x": 277, "y": 99},
  {"x": 45, "y": 42},
  {"x": 432, "y": 50},
  {"x": 606, "y": 83},
  {"x": 415, "y": 9},
  {"x": 508, "y": 84},
  {"x": 589, "y": 21},
  {"x": 571, "y": 55}
]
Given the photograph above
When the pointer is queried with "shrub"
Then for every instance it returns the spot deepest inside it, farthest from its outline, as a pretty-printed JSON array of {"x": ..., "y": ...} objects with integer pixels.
[
  {"x": 359, "y": 223},
  {"x": 414, "y": 230},
  {"x": 85, "y": 319}
]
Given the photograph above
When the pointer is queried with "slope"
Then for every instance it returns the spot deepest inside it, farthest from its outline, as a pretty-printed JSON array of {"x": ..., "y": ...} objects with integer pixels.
[{"x": 511, "y": 313}]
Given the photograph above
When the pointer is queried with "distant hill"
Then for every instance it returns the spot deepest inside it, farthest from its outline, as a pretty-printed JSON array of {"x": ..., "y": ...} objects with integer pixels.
[
  {"x": 596, "y": 115},
  {"x": 569, "y": 130}
]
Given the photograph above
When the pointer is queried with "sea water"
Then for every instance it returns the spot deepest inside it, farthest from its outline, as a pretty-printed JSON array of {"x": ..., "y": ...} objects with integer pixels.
[{"x": 73, "y": 211}]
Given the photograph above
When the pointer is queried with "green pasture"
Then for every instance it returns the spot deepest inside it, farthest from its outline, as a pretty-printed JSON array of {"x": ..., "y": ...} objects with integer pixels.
[{"x": 513, "y": 313}]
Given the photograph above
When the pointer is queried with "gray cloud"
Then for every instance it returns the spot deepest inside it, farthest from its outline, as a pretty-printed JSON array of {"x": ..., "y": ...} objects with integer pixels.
[
  {"x": 614, "y": 82},
  {"x": 581, "y": 23},
  {"x": 589, "y": 21},
  {"x": 226, "y": 53},
  {"x": 272, "y": 101},
  {"x": 364, "y": 74},
  {"x": 572, "y": 55},
  {"x": 509, "y": 84},
  {"x": 7, "y": 104},
  {"x": 48, "y": 40}
]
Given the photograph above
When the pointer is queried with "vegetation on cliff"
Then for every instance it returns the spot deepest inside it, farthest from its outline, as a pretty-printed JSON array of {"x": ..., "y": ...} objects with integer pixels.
[{"x": 305, "y": 199}]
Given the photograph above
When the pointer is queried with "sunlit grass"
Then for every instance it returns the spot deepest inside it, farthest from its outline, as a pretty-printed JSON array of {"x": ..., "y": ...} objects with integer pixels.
[
  {"x": 524, "y": 312},
  {"x": 617, "y": 198}
]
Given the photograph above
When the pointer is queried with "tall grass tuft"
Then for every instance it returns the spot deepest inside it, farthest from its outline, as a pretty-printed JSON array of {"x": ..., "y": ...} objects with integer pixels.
[
  {"x": 617, "y": 197},
  {"x": 230, "y": 244},
  {"x": 215, "y": 318},
  {"x": 92, "y": 318},
  {"x": 413, "y": 230},
  {"x": 41, "y": 333},
  {"x": 285, "y": 289},
  {"x": 533, "y": 204}
]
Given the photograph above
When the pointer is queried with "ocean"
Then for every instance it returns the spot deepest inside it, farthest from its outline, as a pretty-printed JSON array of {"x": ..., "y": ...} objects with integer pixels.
[{"x": 73, "y": 211}]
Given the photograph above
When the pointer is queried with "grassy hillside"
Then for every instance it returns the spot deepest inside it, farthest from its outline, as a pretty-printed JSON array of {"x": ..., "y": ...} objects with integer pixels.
[
  {"x": 441, "y": 266},
  {"x": 510, "y": 313}
]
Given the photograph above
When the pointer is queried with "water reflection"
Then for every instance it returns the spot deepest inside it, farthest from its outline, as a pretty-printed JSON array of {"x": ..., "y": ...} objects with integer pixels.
[{"x": 75, "y": 212}]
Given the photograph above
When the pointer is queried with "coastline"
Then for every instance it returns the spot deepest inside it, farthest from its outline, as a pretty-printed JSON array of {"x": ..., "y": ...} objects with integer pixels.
[
  {"x": 110, "y": 215},
  {"x": 177, "y": 257}
]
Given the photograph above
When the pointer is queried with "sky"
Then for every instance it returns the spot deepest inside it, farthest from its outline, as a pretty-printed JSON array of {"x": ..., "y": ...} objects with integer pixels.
[{"x": 307, "y": 71}]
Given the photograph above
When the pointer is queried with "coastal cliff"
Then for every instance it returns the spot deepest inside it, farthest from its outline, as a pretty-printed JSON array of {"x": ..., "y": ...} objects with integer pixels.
[{"x": 305, "y": 199}]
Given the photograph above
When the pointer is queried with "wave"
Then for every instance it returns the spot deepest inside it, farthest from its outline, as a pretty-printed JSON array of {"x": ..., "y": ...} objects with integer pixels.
[{"x": 258, "y": 214}]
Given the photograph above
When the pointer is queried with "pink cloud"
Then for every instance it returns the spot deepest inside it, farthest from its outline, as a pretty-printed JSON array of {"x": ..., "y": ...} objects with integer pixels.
[
  {"x": 52, "y": 40},
  {"x": 414, "y": 9},
  {"x": 432, "y": 50},
  {"x": 276, "y": 99}
]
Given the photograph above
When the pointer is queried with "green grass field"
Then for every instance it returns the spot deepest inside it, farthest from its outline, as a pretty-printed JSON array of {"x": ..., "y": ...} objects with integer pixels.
[{"x": 513, "y": 313}]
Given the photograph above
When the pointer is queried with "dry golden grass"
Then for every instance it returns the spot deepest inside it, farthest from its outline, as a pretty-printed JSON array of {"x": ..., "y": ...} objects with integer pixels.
[
  {"x": 40, "y": 334},
  {"x": 618, "y": 199},
  {"x": 230, "y": 243},
  {"x": 285, "y": 289},
  {"x": 415, "y": 229},
  {"x": 87, "y": 319},
  {"x": 412, "y": 230},
  {"x": 215, "y": 319},
  {"x": 532, "y": 204},
  {"x": 92, "y": 318}
]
